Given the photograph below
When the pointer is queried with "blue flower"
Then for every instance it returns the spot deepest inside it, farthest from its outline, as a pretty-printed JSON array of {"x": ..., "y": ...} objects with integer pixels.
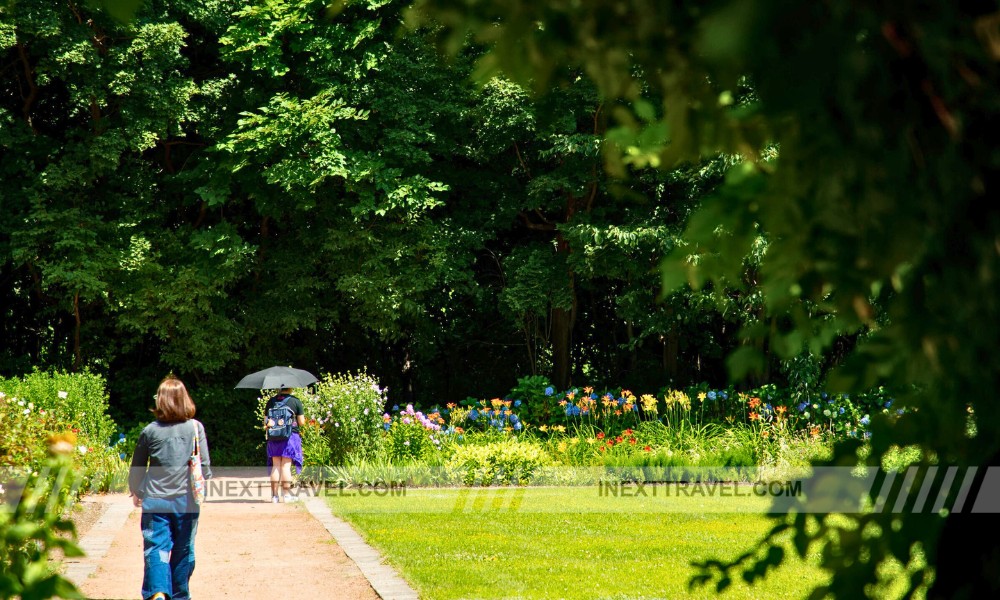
[
  {"x": 899, "y": 411},
  {"x": 122, "y": 456},
  {"x": 473, "y": 414},
  {"x": 517, "y": 403},
  {"x": 395, "y": 408},
  {"x": 121, "y": 436},
  {"x": 385, "y": 426},
  {"x": 725, "y": 395},
  {"x": 865, "y": 420},
  {"x": 803, "y": 406},
  {"x": 888, "y": 403},
  {"x": 841, "y": 411},
  {"x": 711, "y": 395},
  {"x": 517, "y": 427},
  {"x": 823, "y": 395},
  {"x": 549, "y": 391}
]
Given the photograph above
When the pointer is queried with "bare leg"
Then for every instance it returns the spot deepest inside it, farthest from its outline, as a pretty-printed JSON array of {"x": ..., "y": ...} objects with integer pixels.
[
  {"x": 275, "y": 475},
  {"x": 286, "y": 476}
]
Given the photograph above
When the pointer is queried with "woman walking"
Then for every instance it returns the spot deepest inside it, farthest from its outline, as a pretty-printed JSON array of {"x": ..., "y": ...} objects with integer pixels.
[
  {"x": 283, "y": 417},
  {"x": 159, "y": 481}
]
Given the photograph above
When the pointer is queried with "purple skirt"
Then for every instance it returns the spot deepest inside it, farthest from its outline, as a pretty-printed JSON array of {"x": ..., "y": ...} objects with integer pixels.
[{"x": 290, "y": 448}]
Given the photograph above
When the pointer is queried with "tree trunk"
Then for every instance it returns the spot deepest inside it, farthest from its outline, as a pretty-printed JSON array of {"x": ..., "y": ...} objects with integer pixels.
[{"x": 562, "y": 339}]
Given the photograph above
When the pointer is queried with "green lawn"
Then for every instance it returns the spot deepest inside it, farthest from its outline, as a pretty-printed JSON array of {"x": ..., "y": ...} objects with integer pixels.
[{"x": 564, "y": 542}]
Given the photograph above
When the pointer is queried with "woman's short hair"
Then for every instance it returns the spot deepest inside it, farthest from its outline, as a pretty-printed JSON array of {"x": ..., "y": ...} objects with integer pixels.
[{"x": 173, "y": 404}]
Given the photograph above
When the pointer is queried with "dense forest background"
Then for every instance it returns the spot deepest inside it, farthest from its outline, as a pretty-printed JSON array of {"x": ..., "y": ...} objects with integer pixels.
[{"x": 213, "y": 188}]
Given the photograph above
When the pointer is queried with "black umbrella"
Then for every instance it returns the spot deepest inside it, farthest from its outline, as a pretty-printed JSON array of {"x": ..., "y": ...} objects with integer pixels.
[{"x": 276, "y": 378}]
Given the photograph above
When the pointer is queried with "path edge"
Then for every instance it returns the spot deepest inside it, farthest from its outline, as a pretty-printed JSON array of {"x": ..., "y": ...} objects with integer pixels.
[
  {"x": 384, "y": 579},
  {"x": 97, "y": 541}
]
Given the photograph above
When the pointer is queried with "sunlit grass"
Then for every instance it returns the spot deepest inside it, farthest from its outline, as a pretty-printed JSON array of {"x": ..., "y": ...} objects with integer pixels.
[{"x": 578, "y": 542}]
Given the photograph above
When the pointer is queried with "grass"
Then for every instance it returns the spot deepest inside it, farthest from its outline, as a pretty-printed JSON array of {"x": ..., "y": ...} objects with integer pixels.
[{"x": 576, "y": 542}]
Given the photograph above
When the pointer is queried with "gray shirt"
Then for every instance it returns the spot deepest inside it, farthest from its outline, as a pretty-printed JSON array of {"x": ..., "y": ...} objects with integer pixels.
[{"x": 160, "y": 462}]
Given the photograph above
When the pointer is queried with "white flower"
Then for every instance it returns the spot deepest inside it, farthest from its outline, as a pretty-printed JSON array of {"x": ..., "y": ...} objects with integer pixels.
[
  {"x": 336, "y": 424},
  {"x": 82, "y": 449},
  {"x": 63, "y": 394},
  {"x": 31, "y": 406},
  {"x": 27, "y": 410},
  {"x": 366, "y": 411},
  {"x": 21, "y": 403}
]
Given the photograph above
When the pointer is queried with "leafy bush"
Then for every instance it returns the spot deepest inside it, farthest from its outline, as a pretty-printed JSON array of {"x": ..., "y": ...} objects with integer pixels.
[
  {"x": 79, "y": 400},
  {"x": 411, "y": 435},
  {"x": 511, "y": 461},
  {"x": 42, "y": 404},
  {"x": 35, "y": 527},
  {"x": 348, "y": 407}
]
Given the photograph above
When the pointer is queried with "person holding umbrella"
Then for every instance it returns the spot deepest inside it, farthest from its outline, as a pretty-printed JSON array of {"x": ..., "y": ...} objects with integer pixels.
[{"x": 283, "y": 415}]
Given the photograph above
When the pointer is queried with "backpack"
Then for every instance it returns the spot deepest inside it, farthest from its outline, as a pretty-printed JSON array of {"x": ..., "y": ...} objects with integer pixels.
[{"x": 280, "y": 420}]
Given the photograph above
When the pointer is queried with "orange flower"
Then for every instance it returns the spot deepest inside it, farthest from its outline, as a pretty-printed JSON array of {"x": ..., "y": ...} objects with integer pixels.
[
  {"x": 618, "y": 439},
  {"x": 602, "y": 448},
  {"x": 618, "y": 413},
  {"x": 780, "y": 410},
  {"x": 754, "y": 402},
  {"x": 627, "y": 431},
  {"x": 588, "y": 390},
  {"x": 631, "y": 441},
  {"x": 814, "y": 431},
  {"x": 610, "y": 443},
  {"x": 754, "y": 416},
  {"x": 766, "y": 433}
]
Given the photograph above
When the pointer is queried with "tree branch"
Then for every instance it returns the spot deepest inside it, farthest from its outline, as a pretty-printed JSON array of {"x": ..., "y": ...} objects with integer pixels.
[{"x": 32, "y": 88}]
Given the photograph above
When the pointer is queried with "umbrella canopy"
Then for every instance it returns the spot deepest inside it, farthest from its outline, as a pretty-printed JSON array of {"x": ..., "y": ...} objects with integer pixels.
[{"x": 275, "y": 378}]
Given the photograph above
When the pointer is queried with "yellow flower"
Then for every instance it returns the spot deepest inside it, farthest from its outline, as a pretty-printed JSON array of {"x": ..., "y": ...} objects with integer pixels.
[
  {"x": 702, "y": 396},
  {"x": 562, "y": 446},
  {"x": 560, "y": 428},
  {"x": 543, "y": 428}
]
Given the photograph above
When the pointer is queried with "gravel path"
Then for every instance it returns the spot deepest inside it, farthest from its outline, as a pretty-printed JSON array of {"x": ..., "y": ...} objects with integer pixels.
[{"x": 245, "y": 548}]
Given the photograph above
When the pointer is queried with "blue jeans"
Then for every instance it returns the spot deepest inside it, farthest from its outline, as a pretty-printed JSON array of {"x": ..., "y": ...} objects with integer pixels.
[{"x": 168, "y": 530}]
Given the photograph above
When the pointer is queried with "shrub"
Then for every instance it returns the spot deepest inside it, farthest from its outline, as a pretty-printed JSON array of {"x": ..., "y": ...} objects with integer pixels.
[
  {"x": 348, "y": 407},
  {"x": 79, "y": 400},
  {"x": 412, "y": 435},
  {"x": 42, "y": 404},
  {"x": 506, "y": 462},
  {"x": 35, "y": 528}
]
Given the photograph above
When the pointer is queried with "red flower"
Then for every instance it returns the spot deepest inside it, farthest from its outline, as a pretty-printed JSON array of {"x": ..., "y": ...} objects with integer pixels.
[
  {"x": 618, "y": 439},
  {"x": 647, "y": 449},
  {"x": 610, "y": 443},
  {"x": 628, "y": 431},
  {"x": 600, "y": 435},
  {"x": 631, "y": 441}
]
